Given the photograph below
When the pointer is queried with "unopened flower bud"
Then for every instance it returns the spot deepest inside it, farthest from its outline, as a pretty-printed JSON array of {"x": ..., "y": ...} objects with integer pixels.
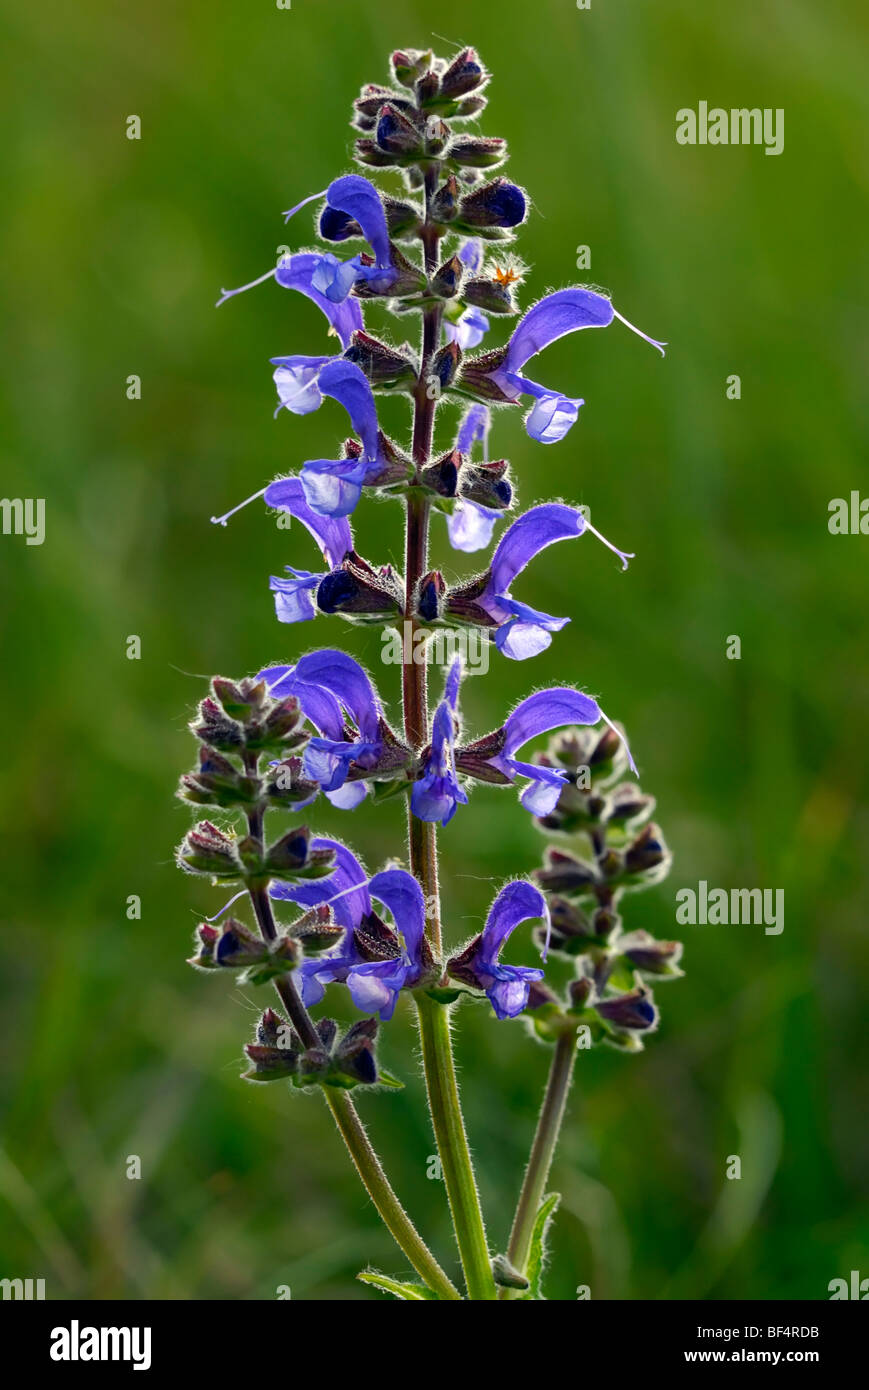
[
  {"x": 650, "y": 956},
  {"x": 445, "y": 364},
  {"x": 428, "y": 88},
  {"x": 206, "y": 940},
  {"x": 238, "y": 946},
  {"x": 409, "y": 65},
  {"x": 367, "y": 106},
  {"x": 564, "y": 873},
  {"x": 634, "y": 1011},
  {"x": 445, "y": 202},
  {"x": 580, "y": 991},
  {"x": 442, "y": 475},
  {"x": 648, "y": 855},
  {"x": 383, "y": 365},
  {"x": 464, "y": 74},
  {"x": 243, "y": 700},
  {"x": 355, "y": 1052},
  {"x": 368, "y": 153},
  {"x": 477, "y": 151},
  {"x": 485, "y": 484},
  {"x": 496, "y": 204},
  {"x": 490, "y": 294},
  {"x": 356, "y": 589},
  {"x": 216, "y": 729},
  {"x": 270, "y": 1063},
  {"x": 446, "y": 281},
  {"x": 217, "y": 782},
  {"x": 627, "y": 805},
  {"x": 431, "y": 591},
  {"x": 290, "y": 857},
  {"x": 396, "y": 134},
  {"x": 207, "y": 850}
]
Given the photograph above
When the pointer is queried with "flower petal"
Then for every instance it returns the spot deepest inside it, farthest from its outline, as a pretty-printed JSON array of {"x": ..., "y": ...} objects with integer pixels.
[
  {"x": 360, "y": 200},
  {"x": 305, "y": 272},
  {"x": 333, "y": 535},
  {"x": 470, "y": 526},
  {"x": 527, "y": 536},
  {"x": 342, "y": 677},
  {"x": 566, "y": 311},
  {"x": 517, "y": 902},
  {"x": 345, "y": 888},
  {"x": 400, "y": 892},
  {"x": 547, "y": 710}
]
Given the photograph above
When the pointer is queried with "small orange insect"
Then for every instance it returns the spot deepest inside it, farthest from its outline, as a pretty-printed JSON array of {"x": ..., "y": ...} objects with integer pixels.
[{"x": 506, "y": 277}]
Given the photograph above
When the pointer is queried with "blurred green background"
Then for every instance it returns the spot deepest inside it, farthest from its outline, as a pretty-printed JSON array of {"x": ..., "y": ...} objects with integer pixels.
[{"x": 113, "y": 254}]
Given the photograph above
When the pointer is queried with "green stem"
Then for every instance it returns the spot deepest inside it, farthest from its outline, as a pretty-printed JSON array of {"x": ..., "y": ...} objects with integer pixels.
[
  {"x": 392, "y": 1213},
  {"x": 542, "y": 1151},
  {"x": 452, "y": 1142}
]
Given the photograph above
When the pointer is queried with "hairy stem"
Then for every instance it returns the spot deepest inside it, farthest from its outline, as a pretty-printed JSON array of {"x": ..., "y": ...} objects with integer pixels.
[
  {"x": 452, "y": 1142},
  {"x": 542, "y": 1150},
  {"x": 346, "y": 1116},
  {"x": 434, "y": 1020}
]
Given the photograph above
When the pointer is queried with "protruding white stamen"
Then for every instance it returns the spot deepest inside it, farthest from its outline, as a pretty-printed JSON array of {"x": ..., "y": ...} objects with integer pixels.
[
  {"x": 222, "y": 520},
  {"x": 228, "y": 905},
  {"x": 228, "y": 294},
  {"x": 303, "y": 204},
  {"x": 620, "y": 736},
  {"x": 639, "y": 332},
  {"x": 624, "y": 555}
]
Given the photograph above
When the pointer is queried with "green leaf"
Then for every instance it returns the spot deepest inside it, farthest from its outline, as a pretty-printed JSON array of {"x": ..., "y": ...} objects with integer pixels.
[
  {"x": 386, "y": 1078},
  {"x": 537, "y": 1256},
  {"x": 408, "y": 1293},
  {"x": 448, "y": 994}
]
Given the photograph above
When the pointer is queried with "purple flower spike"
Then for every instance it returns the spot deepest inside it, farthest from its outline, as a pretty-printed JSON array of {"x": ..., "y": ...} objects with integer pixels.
[
  {"x": 374, "y": 986},
  {"x": 437, "y": 794},
  {"x": 506, "y": 986},
  {"x": 540, "y": 714},
  {"x": 523, "y": 631},
  {"x": 566, "y": 311},
  {"x": 294, "y": 598}
]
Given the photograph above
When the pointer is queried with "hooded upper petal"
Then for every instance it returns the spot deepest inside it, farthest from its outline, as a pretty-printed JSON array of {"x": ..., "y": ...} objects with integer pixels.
[
  {"x": 358, "y": 199},
  {"x": 566, "y": 311},
  {"x": 304, "y": 272},
  {"x": 332, "y": 534}
]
